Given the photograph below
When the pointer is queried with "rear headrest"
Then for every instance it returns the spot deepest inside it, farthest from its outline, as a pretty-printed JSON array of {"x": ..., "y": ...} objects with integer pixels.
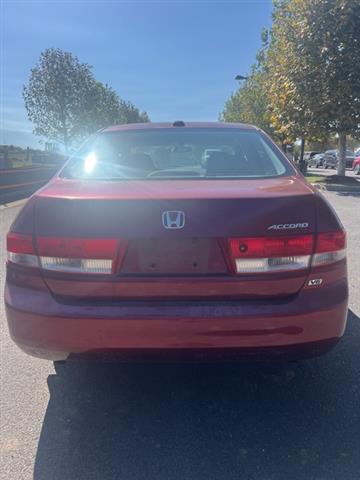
[
  {"x": 223, "y": 164},
  {"x": 138, "y": 163}
]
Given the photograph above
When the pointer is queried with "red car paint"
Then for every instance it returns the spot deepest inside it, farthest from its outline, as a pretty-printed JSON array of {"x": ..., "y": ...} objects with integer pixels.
[
  {"x": 175, "y": 290},
  {"x": 356, "y": 165}
]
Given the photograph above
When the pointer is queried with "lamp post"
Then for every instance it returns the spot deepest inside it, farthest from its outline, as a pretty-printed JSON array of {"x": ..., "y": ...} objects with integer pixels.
[{"x": 240, "y": 77}]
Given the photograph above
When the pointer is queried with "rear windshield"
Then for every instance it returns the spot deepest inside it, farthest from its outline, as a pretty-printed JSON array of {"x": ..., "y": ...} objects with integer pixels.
[{"x": 177, "y": 153}]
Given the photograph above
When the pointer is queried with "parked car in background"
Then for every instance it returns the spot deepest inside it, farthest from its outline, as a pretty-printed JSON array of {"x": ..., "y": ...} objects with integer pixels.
[
  {"x": 356, "y": 165},
  {"x": 309, "y": 155},
  {"x": 237, "y": 255},
  {"x": 357, "y": 152},
  {"x": 316, "y": 160},
  {"x": 331, "y": 158}
]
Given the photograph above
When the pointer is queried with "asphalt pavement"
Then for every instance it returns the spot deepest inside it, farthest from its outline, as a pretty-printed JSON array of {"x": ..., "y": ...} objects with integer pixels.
[{"x": 175, "y": 422}]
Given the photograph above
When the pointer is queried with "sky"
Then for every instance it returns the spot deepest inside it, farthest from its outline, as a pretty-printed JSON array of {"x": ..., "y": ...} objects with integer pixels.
[{"x": 173, "y": 59}]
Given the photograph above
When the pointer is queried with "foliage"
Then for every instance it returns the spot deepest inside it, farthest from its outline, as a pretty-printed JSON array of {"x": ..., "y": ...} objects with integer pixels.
[
  {"x": 306, "y": 84},
  {"x": 290, "y": 115},
  {"x": 329, "y": 47},
  {"x": 106, "y": 108},
  {"x": 314, "y": 64},
  {"x": 66, "y": 103},
  {"x": 249, "y": 104}
]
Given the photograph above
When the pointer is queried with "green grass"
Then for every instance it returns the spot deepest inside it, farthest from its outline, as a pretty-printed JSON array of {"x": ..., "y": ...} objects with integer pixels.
[
  {"x": 315, "y": 178},
  {"x": 334, "y": 180}
]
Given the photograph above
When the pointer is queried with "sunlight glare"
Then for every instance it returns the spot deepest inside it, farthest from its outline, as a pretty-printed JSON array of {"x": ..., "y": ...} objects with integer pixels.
[{"x": 90, "y": 162}]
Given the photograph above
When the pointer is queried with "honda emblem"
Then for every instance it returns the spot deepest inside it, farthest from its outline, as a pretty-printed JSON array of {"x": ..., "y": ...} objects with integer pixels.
[{"x": 173, "y": 219}]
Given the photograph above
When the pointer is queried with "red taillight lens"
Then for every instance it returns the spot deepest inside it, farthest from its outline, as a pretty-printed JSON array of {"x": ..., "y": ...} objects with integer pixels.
[
  {"x": 261, "y": 247},
  {"x": 73, "y": 255},
  {"x": 332, "y": 241},
  {"x": 330, "y": 248},
  {"x": 270, "y": 254},
  {"x": 20, "y": 250},
  {"x": 283, "y": 253},
  {"x": 96, "y": 248},
  {"x": 80, "y": 255},
  {"x": 18, "y": 243}
]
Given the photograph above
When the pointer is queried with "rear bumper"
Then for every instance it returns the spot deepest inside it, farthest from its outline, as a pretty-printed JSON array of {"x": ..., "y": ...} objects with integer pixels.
[{"x": 309, "y": 323}]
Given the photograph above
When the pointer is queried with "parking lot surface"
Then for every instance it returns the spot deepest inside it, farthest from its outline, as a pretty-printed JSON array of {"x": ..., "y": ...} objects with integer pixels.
[
  {"x": 331, "y": 171},
  {"x": 171, "y": 421}
]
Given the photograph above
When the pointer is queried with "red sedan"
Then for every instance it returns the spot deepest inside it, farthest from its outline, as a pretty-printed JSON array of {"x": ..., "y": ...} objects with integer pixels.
[
  {"x": 356, "y": 165},
  {"x": 177, "y": 239}
]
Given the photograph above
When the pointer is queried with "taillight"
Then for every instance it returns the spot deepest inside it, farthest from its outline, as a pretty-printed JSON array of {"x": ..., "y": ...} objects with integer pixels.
[
  {"x": 77, "y": 255},
  {"x": 271, "y": 254},
  {"x": 330, "y": 248},
  {"x": 284, "y": 253},
  {"x": 20, "y": 250},
  {"x": 73, "y": 255}
]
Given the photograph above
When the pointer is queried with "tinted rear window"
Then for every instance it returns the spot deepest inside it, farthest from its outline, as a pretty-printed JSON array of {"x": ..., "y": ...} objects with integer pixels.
[{"x": 177, "y": 153}]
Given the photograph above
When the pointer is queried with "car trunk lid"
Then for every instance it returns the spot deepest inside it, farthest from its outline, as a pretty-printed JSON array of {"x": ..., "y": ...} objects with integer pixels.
[{"x": 186, "y": 261}]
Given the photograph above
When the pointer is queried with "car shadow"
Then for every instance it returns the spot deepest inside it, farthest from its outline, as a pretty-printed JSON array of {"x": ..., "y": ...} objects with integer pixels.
[
  {"x": 205, "y": 421},
  {"x": 348, "y": 194}
]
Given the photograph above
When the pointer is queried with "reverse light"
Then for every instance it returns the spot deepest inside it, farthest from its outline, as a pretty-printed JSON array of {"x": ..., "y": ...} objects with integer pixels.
[
  {"x": 277, "y": 264},
  {"x": 76, "y": 265}
]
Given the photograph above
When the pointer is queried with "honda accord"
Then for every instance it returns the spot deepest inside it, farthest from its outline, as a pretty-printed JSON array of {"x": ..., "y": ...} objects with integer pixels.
[{"x": 193, "y": 240}]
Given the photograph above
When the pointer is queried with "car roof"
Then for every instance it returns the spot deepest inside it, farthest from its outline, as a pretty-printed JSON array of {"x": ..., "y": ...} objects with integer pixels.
[{"x": 159, "y": 125}]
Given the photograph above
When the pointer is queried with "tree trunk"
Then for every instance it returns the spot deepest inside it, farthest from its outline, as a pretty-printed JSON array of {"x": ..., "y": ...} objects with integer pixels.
[
  {"x": 342, "y": 154},
  {"x": 302, "y": 163},
  {"x": 64, "y": 129},
  {"x": 66, "y": 142}
]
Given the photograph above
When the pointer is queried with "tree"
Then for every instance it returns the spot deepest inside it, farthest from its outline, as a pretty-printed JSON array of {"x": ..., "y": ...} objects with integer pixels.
[
  {"x": 334, "y": 49},
  {"x": 249, "y": 104},
  {"x": 131, "y": 114},
  {"x": 314, "y": 61},
  {"x": 105, "y": 107},
  {"x": 287, "y": 94},
  {"x": 58, "y": 90},
  {"x": 66, "y": 103}
]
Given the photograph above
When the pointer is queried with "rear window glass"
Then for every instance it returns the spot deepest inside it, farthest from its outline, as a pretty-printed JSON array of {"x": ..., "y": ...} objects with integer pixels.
[{"x": 176, "y": 153}]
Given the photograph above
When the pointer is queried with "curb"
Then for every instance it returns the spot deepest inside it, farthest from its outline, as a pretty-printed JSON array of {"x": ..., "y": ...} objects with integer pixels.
[
  {"x": 336, "y": 188},
  {"x": 18, "y": 203}
]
